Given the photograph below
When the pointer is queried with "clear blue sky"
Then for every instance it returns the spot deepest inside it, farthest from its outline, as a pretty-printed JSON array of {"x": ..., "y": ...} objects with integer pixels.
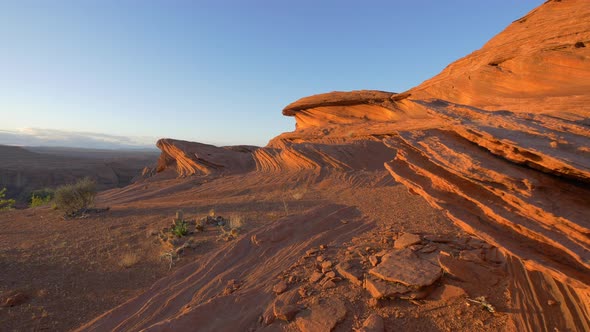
[{"x": 220, "y": 71}]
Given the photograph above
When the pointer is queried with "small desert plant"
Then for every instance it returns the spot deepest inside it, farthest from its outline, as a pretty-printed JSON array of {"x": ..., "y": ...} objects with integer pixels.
[
  {"x": 39, "y": 201},
  {"x": 41, "y": 197},
  {"x": 180, "y": 228},
  {"x": 228, "y": 235},
  {"x": 235, "y": 224},
  {"x": 76, "y": 198},
  {"x": 484, "y": 303},
  {"x": 236, "y": 221},
  {"x": 5, "y": 203}
]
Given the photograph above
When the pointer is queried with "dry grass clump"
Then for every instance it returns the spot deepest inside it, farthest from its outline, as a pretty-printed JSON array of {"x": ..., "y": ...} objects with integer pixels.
[
  {"x": 236, "y": 221},
  {"x": 129, "y": 259}
]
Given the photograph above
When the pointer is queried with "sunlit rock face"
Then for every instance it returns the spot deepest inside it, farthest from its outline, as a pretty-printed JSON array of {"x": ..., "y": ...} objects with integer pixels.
[
  {"x": 499, "y": 141},
  {"x": 537, "y": 64}
]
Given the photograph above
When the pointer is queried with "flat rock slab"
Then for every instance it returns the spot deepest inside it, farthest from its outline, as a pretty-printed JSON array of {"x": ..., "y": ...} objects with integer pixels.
[
  {"x": 322, "y": 317},
  {"x": 351, "y": 270},
  {"x": 406, "y": 240},
  {"x": 379, "y": 288},
  {"x": 405, "y": 267}
]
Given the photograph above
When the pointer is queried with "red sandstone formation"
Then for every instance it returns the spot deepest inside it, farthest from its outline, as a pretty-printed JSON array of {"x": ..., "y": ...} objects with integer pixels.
[
  {"x": 190, "y": 158},
  {"x": 537, "y": 64},
  {"x": 499, "y": 142}
]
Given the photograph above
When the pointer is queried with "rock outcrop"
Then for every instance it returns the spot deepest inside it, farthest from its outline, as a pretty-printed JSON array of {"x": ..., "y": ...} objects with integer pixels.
[
  {"x": 499, "y": 141},
  {"x": 190, "y": 158},
  {"x": 537, "y": 64}
]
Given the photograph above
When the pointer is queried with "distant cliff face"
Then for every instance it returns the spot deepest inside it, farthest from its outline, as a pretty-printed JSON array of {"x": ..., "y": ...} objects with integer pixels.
[{"x": 22, "y": 171}]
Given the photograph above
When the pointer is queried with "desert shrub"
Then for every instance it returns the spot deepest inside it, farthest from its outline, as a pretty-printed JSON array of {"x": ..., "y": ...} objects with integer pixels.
[
  {"x": 180, "y": 228},
  {"x": 73, "y": 199},
  {"x": 5, "y": 203},
  {"x": 41, "y": 197}
]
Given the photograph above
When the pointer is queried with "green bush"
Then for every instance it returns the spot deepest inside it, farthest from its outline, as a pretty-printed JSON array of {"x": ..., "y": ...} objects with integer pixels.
[
  {"x": 5, "y": 203},
  {"x": 180, "y": 228},
  {"x": 74, "y": 199},
  {"x": 41, "y": 197}
]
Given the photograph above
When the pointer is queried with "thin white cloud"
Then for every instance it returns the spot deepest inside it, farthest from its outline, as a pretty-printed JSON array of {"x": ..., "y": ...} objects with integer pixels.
[{"x": 64, "y": 138}]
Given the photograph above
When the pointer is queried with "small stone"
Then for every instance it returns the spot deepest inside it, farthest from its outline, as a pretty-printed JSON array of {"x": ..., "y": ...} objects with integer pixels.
[
  {"x": 373, "y": 303},
  {"x": 406, "y": 240},
  {"x": 551, "y": 302},
  {"x": 292, "y": 279},
  {"x": 326, "y": 266},
  {"x": 331, "y": 274},
  {"x": 315, "y": 276},
  {"x": 323, "y": 247},
  {"x": 329, "y": 284},
  {"x": 351, "y": 270},
  {"x": 281, "y": 287},
  {"x": 373, "y": 260},
  {"x": 302, "y": 292},
  {"x": 320, "y": 258}
]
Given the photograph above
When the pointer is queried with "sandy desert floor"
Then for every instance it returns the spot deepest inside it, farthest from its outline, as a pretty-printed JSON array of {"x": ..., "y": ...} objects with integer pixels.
[
  {"x": 459, "y": 205},
  {"x": 71, "y": 271}
]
